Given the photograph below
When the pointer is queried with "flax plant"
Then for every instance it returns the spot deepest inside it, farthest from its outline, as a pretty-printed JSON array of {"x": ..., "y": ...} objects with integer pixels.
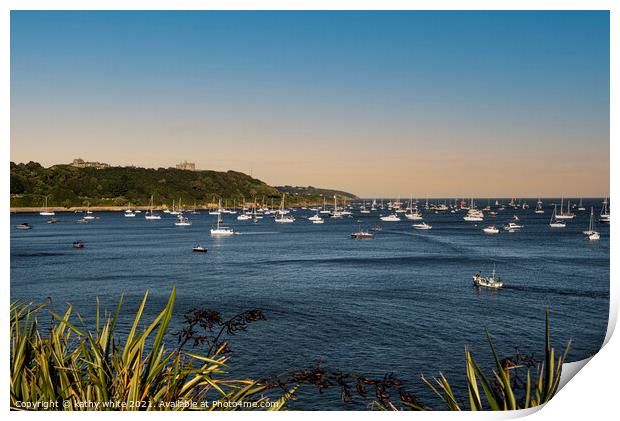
[
  {"x": 497, "y": 391},
  {"x": 72, "y": 366}
]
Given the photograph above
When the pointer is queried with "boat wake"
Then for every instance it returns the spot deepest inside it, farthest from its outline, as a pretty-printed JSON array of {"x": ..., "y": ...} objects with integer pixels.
[
  {"x": 558, "y": 291},
  {"x": 257, "y": 233}
]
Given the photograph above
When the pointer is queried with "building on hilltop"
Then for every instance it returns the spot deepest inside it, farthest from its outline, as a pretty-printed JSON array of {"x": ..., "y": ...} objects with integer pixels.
[
  {"x": 80, "y": 163},
  {"x": 186, "y": 166}
]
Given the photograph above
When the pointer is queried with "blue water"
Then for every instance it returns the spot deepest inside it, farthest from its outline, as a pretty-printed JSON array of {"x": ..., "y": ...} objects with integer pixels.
[{"x": 401, "y": 302}]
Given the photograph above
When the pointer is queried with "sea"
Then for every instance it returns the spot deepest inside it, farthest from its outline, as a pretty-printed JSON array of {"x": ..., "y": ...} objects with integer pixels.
[{"x": 402, "y": 302}]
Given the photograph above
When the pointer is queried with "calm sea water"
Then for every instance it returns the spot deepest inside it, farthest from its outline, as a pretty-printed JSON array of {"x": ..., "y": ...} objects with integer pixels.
[{"x": 402, "y": 302}]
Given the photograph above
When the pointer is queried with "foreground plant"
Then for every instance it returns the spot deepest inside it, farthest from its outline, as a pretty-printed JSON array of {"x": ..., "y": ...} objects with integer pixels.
[
  {"x": 503, "y": 389},
  {"x": 71, "y": 368}
]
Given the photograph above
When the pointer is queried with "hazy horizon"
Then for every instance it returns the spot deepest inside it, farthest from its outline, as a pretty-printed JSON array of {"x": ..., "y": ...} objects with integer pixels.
[{"x": 379, "y": 104}]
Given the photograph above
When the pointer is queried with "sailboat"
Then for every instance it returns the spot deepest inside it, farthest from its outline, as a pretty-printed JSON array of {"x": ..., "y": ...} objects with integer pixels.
[
  {"x": 89, "y": 214},
  {"x": 591, "y": 232},
  {"x": 283, "y": 216},
  {"x": 539, "y": 206},
  {"x": 129, "y": 213},
  {"x": 219, "y": 230},
  {"x": 562, "y": 215},
  {"x": 324, "y": 210},
  {"x": 581, "y": 207},
  {"x": 412, "y": 212},
  {"x": 315, "y": 218},
  {"x": 553, "y": 222},
  {"x": 336, "y": 213},
  {"x": 605, "y": 216},
  {"x": 45, "y": 211},
  {"x": 150, "y": 215}
]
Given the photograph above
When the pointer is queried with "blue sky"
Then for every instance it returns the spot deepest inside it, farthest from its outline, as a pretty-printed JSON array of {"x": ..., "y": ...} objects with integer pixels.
[{"x": 372, "y": 102}]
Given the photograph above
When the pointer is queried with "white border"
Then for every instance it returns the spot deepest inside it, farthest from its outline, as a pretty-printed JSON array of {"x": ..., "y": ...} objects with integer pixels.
[{"x": 592, "y": 394}]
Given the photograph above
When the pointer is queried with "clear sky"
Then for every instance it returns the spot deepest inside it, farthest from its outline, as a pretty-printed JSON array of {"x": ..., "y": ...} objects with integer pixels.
[{"x": 376, "y": 103}]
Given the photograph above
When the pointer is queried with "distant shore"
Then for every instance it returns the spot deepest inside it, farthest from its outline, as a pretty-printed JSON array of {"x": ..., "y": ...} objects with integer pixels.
[{"x": 92, "y": 209}]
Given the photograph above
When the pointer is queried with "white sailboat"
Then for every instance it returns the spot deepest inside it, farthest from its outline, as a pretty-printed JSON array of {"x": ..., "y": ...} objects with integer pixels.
[
  {"x": 562, "y": 215},
  {"x": 219, "y": 230},
  {"x": 89, "y": 214},
  {"x": 336, "y": 213},
  {"x": 605, "y": 216},
  {"x": 45, "y": 211},
  {"x": 149, "y": 215},
  {"x": 129, "y": 213},
  {"x": 553, "y": 222},
  {"x": 283, "y": 216},
  {"x": 591, "y": 232},
  {"x": 581, "y": 207},
  {"x": 539, "y": 207}
]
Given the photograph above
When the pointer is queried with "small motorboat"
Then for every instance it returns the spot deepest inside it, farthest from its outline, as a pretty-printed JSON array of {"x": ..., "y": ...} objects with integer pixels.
[
  {"x": 491, "y": 282},
  {"x": 78, "y": 245},
  {"x": 24, "y": 226},
  {"x": 390, "y": 218},
  {"x": 81, "y": 221},
  {"x": 594, "y": 236},
  {"x": 53, "y": 221},
  {"x": 511, "y": 226},
  {"x": 318, "y": 221},
  {"x": 491, "y": 229},
  {"x": 361, "y": 234},
  {"x": 199, "y": 249},
  {"x": 422, "y": 226},
  {"x": 182, "y": 221}
]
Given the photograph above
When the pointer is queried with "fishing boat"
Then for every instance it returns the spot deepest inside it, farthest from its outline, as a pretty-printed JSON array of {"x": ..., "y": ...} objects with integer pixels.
[
  {"x": 199, "y": 249},
  {"x": 182, "y": 221},
  {"x": 422, "y": 226},
  {"x": 553, "y": 222},
  {"x": 45, "y": 211},
  {"x": 361, "y": 234},
  {"x": 150, "y": 215},
  {"x": 491, "y": 229},
  {"x": 78, "y": 244},
  {"x": 491, "y": 282},
  {"x": 539, "y": 206},
  {"x": 284, "y": 217},
  {"x": 24, "y": 226}
]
